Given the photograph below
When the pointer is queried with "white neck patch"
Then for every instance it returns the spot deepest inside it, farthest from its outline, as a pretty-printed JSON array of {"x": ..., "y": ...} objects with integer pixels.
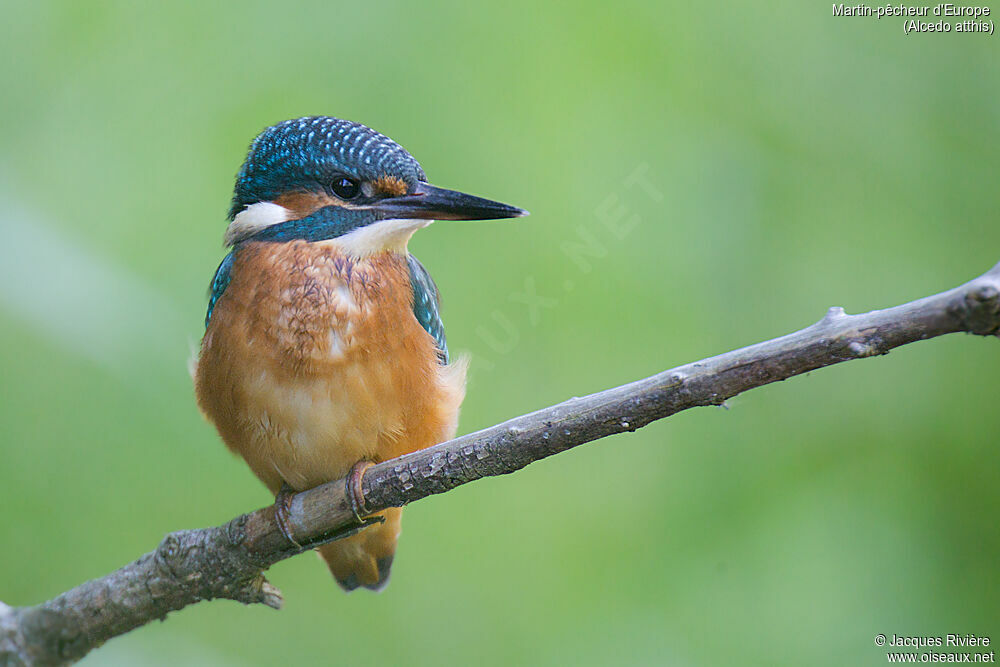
[
  {"x": 254, "y": 218},
  {"x": 391, "y": 235}
]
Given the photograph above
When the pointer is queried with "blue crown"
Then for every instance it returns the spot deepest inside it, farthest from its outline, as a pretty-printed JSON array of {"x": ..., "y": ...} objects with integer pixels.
[{"x": 307, "y": 153}]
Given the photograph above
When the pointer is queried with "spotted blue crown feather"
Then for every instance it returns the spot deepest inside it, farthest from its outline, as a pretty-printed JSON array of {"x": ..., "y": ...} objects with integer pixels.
[{"x": 317, "y": 148}]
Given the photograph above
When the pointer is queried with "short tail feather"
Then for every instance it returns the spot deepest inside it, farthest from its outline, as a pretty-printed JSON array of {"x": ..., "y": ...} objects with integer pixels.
[{"x": 364, "y": 560}]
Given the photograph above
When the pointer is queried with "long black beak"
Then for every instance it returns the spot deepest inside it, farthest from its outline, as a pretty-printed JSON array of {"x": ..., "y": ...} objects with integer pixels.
[{"x": 428, "y": 202}]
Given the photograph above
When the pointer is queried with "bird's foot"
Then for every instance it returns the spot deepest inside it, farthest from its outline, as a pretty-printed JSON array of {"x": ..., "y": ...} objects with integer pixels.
[
  {"x": 282, "y": 506},
  {"x": 355, "y": 494},
  {"x": 355, "y": 498}
]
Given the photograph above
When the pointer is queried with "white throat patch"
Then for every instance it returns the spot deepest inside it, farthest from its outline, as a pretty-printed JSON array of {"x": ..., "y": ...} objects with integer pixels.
[
  {"x": 392, "y": 235},
  {"x": 254, "y": 218}
]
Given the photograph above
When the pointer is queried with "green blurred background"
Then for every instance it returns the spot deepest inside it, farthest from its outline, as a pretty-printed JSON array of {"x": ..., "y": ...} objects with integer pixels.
[{"x": 794, "y": 160}]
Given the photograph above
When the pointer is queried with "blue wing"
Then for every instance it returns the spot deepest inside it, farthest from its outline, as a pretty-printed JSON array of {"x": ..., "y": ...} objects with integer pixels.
[
  {"x": 219, "y": 284},
  {"x": 427, "y": 305}
]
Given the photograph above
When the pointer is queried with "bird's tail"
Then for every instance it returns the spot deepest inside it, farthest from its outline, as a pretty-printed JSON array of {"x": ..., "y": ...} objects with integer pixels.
[{"x": 365, "y": 559}]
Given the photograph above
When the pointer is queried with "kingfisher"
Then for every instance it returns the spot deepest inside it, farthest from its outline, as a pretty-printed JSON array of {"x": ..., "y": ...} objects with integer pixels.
[{"x": 324, "y": 349}]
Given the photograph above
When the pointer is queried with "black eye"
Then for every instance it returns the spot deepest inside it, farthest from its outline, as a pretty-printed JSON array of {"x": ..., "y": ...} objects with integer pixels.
[{"x": 345, "y": 188}]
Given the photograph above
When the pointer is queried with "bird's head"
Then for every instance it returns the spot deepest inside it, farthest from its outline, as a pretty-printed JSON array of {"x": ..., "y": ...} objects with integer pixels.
[{"x": 321, "y": 178}]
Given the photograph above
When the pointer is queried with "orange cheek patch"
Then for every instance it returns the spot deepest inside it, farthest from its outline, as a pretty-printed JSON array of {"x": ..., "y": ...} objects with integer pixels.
[
  {"x": 304, "y": 204},
  {"x": 390, "y": 185}
]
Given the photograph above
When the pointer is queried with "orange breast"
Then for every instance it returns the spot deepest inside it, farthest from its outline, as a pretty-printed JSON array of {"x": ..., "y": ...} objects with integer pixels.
[{"x": 314, "y": 360}]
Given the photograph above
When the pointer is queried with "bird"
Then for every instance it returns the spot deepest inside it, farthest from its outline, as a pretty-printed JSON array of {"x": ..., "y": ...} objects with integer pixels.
[{"x": 324, "y": 348}]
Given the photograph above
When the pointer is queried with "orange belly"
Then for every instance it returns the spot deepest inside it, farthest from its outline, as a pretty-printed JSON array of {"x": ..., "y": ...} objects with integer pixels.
[{"x": 314, "y": 360}]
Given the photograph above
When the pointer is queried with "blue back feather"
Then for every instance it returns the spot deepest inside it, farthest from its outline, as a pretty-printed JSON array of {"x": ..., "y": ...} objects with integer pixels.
[
  {"x": 427, "y": 305},
  {"x": 220, "y": 281}
]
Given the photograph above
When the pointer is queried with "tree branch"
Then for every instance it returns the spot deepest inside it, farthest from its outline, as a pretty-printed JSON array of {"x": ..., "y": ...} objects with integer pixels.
[{"x": 228, "y": 561}]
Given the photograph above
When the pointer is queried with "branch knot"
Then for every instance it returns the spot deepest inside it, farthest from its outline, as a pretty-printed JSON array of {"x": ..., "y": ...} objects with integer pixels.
[{"x": 979, "y": 311}]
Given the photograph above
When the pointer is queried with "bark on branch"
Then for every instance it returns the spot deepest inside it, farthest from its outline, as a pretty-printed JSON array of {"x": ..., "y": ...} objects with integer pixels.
[{"x": 228, "y": 561}]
